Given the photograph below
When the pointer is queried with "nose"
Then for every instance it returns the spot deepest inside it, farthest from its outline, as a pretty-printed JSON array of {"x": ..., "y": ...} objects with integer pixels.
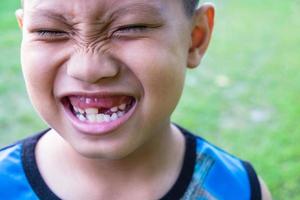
[{"x": 92, "y": 67}]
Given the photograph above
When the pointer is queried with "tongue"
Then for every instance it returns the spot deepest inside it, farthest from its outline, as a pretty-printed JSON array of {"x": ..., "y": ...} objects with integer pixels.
[{"x": 99, "y": 102}]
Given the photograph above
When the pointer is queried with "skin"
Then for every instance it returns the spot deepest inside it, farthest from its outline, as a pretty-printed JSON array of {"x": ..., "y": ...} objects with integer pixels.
[
  {"x": 127, "y": 66},
  {"x": 82, "y": 47}
]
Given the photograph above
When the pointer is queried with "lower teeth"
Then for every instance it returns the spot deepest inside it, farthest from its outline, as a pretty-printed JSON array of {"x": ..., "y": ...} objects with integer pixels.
[
  {"x": 109, "y": 116},
  {"x": 99, "y": 117}
]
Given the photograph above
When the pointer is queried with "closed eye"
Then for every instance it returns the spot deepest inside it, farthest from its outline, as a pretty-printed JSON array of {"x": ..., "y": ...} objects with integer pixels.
[
  {"x": 51, "y": 34},
  {"x": 132, "y": 30}
]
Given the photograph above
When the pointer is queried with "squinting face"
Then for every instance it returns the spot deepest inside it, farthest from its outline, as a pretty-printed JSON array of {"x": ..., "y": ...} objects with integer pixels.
[{"x": 105, "y": 74}]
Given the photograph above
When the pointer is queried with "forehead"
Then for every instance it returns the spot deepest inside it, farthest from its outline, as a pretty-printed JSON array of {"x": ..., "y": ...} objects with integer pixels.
[{"x": 101, "y": 8}]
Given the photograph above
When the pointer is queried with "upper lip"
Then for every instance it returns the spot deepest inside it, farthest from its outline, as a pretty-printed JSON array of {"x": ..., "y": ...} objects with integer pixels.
[{"x": 96, "y": 94}]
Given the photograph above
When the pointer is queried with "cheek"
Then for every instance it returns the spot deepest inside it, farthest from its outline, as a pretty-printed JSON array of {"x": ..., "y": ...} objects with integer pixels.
[
  {"x": 160, "y": 67},
  {"x": 34, "y": 67},
  {"x": 39, "y": 65}
]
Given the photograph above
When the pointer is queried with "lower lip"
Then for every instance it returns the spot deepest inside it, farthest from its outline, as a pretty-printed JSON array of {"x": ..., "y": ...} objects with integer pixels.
[{"x": 99, "y": 128}]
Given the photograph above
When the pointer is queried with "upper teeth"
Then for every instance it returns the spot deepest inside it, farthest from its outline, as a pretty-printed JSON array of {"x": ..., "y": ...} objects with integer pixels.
[
  {"x": 91, "y": 111},
  {"x": 114, "y": 109},
  {"x": 92, "y": 114},
  {"x": 122, "y": 106}
]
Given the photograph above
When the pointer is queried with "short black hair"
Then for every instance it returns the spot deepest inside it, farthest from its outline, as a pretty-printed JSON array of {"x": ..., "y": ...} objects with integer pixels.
[{"x": 189, "y": 6}]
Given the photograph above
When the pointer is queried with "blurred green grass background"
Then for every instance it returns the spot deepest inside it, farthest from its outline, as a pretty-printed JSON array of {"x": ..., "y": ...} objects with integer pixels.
[{"x": 244, "y": 97}]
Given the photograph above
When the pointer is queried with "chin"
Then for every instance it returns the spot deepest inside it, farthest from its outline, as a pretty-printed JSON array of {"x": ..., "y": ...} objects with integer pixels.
[{"x": 105, "y": 153}]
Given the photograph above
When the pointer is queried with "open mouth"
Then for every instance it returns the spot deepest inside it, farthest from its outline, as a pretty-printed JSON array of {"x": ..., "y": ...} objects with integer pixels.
[{"x": 99, "y": 110}]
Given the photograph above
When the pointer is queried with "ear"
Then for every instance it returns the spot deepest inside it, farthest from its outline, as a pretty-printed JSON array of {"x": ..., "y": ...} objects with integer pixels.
[
  {"x": 202, "y": 27},
  {"x": 19, "y": 15}
]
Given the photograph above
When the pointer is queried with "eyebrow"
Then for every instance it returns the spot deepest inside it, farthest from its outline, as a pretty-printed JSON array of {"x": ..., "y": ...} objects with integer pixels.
[
  {"x": 49, "y": 13},
  {"x": 146, "y": 9}
]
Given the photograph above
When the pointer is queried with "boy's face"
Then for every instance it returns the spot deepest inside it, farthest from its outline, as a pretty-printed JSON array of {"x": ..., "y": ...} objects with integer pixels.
[{"x": 105, "y": 74}]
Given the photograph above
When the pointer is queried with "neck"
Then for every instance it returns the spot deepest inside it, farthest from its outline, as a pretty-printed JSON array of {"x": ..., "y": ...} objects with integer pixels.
[
  {"x": 156, "y": 153},
  {"x": 157, "y": 163}
]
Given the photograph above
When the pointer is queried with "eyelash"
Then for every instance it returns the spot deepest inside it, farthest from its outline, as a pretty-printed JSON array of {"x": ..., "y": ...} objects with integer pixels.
[
  {"x": 51, "y": 33},
  {"x": 123, "y": 30},
  {"x": 135, "y": 28}
]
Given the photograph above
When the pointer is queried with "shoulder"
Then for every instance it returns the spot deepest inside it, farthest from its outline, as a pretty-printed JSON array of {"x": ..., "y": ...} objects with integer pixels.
[
  {"x": 11, "y": 169},
  {"x": 14, "y": 182},
  {"x": 223, "y": 175},
  {"x": 266, "y": 194},
  {"x": 10, "y": 156}
]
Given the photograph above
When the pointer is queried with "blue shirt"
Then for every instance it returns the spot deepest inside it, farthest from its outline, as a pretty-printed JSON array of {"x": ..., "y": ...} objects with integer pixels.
[{"x": 208, "y": 173}]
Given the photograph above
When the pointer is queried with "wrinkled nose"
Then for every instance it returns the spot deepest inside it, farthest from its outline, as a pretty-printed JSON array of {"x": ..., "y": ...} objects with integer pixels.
[{"x": 91, "y": 67}]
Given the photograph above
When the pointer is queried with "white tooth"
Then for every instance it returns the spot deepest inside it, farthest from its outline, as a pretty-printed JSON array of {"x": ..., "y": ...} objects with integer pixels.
[
  {"x": 114, "y": 109},
  {"x": 106, "y": 118},
  {"x": 91, "y": 117},
  {"x": 75, "y": 109},
  {"x": 120, "y": 114},
  {"x": 88, "y": 100},
  {"x": 91, "y": 111},
  {"x": 122, "y": 106},
  {"x": 81, "y": 111},
  {"x": 114, "y": 117},
  {"x": 81, "y": 118},
  {"x": 99, "y": 117}
]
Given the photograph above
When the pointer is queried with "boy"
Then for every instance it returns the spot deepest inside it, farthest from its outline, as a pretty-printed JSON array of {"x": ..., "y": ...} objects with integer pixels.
[{"x": 106, "y": 76}]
